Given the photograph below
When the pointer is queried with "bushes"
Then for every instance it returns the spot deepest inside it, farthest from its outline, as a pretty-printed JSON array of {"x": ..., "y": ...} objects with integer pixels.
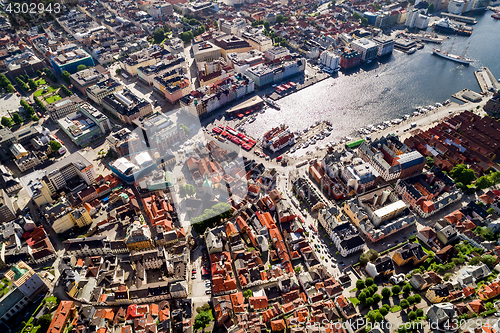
[
  {"x": 404, "y": 304},
  {"x": 407, "y": 289},
  {"x": 376, "y": 298},
  {"x": 396, "y": 289},
  {"x": 420, "y": 313},
  {"x": 40, "y": 104},
  {"x": 360, "y": 284},
  {"x": 369, "y": 282},
  {"x": 66, "y": 91},
  {"x": 386, "y": 292},
  {"x": 368, "y": 256}
]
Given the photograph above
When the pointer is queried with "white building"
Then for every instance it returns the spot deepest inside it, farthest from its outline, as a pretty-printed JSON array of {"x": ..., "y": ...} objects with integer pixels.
[
  {"x": 329, "y": 59},
  {"x": 416, "y": 19},
  {"x": 456, "y": 7},
  {"x": 367, "y": 48}
]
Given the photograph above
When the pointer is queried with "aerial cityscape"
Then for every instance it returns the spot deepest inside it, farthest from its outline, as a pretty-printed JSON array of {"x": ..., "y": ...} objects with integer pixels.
[{"x": 178, "y": 166}]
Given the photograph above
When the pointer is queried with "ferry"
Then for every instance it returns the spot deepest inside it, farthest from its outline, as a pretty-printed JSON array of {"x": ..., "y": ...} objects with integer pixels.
[
  {"x": 452, "y": 57},
  {"x": 446, "y": 25},
  {"x": 272, "y": 103}
]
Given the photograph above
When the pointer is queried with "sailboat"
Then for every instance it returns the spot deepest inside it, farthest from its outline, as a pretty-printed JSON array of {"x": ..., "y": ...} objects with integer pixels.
[{"x": 453, "y": 57}]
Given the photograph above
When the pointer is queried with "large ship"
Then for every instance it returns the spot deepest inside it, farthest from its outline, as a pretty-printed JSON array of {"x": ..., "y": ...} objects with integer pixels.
[
  {"x": 278, "y": 138},
  {"x": 445, "y": 25},
  {"x": 452, "y": 57}
]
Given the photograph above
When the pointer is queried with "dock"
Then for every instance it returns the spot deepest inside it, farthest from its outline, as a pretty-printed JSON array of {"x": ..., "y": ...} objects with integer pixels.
[
  {"x": 467, "y": 95},
  {"x": 486, "y": 80},
  {"x": 460, "y": 18},
  {"x": 309, "y": 82}
]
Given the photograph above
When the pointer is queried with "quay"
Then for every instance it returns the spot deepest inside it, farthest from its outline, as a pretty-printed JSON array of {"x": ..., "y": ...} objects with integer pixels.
[
  {"x": 429, "y": 38},
  {"x": 309, "y": 82},
  {"x": 467, "y": 95},
  {"x": 486, "y": 80},
  {"x": 459, "y": 18}
]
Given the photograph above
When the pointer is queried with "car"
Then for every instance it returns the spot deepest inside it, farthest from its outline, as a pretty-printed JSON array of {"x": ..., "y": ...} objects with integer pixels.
[
  {"x": 388, "y": 245},
  {"x": 497, "y": 314},
  {"x": 208, "y": 292}
]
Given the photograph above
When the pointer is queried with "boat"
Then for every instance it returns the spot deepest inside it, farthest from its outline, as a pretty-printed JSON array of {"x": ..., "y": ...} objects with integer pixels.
[
  {"x": 412, "y": 50},
  {"x": 272, "y": 103},
  {"x": 452, "y": 57},
  {"x": 252, "y": 120},
  {"x": 446, "y": 25},
  {"x": 496, "y": 15},
  {"x": 328, "y": 133}
]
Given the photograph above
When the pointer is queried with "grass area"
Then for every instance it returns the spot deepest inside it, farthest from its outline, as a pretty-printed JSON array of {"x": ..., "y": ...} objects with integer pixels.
[
  {"x": 354, "y": 301},
  {"x": 40, "y": 82},
  {"x": 426, "y": 250},
  {"x": 353, "y": 290},
  {"x": 45, "y": 91},
  {"x": 396, "y": 308},
  {"x": 53, "y": 98}
]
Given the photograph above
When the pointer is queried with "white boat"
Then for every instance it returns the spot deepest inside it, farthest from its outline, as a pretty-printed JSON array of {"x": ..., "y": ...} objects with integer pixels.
[
  {"x": 452, "y": 57},
  {"x": 305, "y": 145},
  {"x": 438, "y": 105},
  {"x": 328, "y": 133}
]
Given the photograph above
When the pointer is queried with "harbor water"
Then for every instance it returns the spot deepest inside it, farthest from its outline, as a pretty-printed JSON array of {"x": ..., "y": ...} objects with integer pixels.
[{"x": 390, "y": 88}]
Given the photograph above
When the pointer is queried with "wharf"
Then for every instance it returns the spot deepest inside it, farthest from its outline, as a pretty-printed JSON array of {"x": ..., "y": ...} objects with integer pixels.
[
  {"x": 429, "y": 38},
  {"x": 459, "y": 18},
  {"x": 467, "y": 95},
  {"x": 486, "y": 80},
  {"x": 309, "y": 82}
]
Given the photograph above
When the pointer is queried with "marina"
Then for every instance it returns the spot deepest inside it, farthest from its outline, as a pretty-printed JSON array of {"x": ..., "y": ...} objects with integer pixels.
[{"x": 299, "y": 86}]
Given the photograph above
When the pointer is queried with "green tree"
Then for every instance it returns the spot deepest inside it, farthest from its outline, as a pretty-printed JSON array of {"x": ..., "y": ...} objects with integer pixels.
[
  {"x": 376, "y": 298},
  {"x": 17, "y": 118},
  {"x": 279, "y": 18},
  {"x": 362, "y": 297},
  {"x": 383, "y": 311},
  {"x": 182, "y": 191},
  {"x": 404, "y": 304},
  {"x": 429, "y": 161},
  {"x": 283, "y": 43},
  {"x": 81, "y": 67},
  {"x": 475, "y": 261},
  {"x": 420, "y": 313},
  {"x": 431, "y": 8},
  {"x": 10, "y": 88},
  {"x": 462, "y": 174},
  {"x": 369, "y": 282},
  {"x": 356, "y": 16},
  {"x": 417, "y": 299},
  {"x": 396, "y": 289},
  {"x": 190, "y": 189},
  {"x": 369, "y": 301},
  {"x": 489, "y": 260},
  {"x": 412, "y": 315},
  {"x": 402, "y": 329},
  {"x": 407, "y": 289},
  {"x": 201, "y": 320},
  {"x": 32, "y": 84},
  {"x": 216, "y": 24},
  {"x": 386, "y": 292},
  {"x": 35, "y": 117},
  {"x": 54, "y": 145},
  {"x": 6, "y": 122},
  {"x": 364, "y": 21},
  {"x": 490, "y": 210},
  {"x": 267, "y": 25},
  {"x": 158, "y": 36},
  {"x": 360, "y": 284},
  {"x": 379, "y": 317},
  {"x": 488, "y": 306},
  {"x": 65, "y": 76},
  {"x": 371, "y": 315},
  {"x": 65, "y": 90},
  {"x": 44, "y": 322},
  {"x": 410, "y": 299},
  {"x": 184, "y": 128},
  {"x": 247, "y": 293},
  {"x": 483, "y": 182},
  {"x": 118, "y": 71}
]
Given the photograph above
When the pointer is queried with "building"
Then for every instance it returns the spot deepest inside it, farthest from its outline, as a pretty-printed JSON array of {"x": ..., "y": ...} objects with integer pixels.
[
  {"x": 276, "y": 53},
  {"x": 23, "y": 63},
  {"x": 416, "y": 19},
  {"x": 242, "y": 61},
  {"x": 7, "y": 209},
  {"x": 258, "y": 41},
  {"x": 233, "y": 27},
  {"x": 127, "y": 107},
  {"x": 169, "y": 64},
  {"x": 63, "y": 170},
  {"x": 362, "y": 177},
  {"x": 329, "y": 218},
  {"x": 382, "y": 266},
  {"x": 437, "y": 294},
  {"x": 138, "y": 236},
  {"x": 232, "y": 44},
  {"x": 64, "y": 313},
  {"x": 349, "y": 58},
  {"x": 456, "y": 7},
  {"x": 346, "y": 239},
  {"x": 266, "y": 74},
  {"x": 160, "y": 10},
  {"x": 88, "y": 77},
  {"x": 70, "y": 61},
  {"x": 409, "y": 253},
  {"x": 330, "y": 59},
  {"x": 8, "y": 182},
  {"x": 102, "y": 89},
  {"x": 63, "y": 107},
  {"x": 493, "y": 104},
  {"x": 385, "y": 45},
  {"x": 161, "y": 132},
  {"x": 142, "y": 58},
  {"x": 173, "y": 85},
  {"x": 367, "y": 48},
  {"x": 206, "y": 51},
  {"x": 85, "y": 125},
  {"x": 124, "y": 142}
]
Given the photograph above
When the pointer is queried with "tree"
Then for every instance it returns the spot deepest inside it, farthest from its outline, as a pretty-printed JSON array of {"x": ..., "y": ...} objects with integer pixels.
[
  {"x": 475, "y": 261},
  {"x": 420, "y": 313},
  {"x": 362, "y": 297},
  {"x": 489, "y": 260},
  {"x": 431, "y": 8},
  {"x": 383, "y": 311},
  {"x": 488, "y": 306},
  {"x": 376, "y": 298},
  {"x": 17, "y": 118},
  {"x": 81, "y": 67},
  {"x": 371, "y": 315},
  {"x": 417, "y": 299},
  {"x": 267, "y": 25},
  {"x": 356, "y": 16},
  {"x": 429, "y": 161},
  {"x": 411, "y": 299},
  {"x": 402, "y": 329},
  {"x": 158, "y": 36},
  {"x": 379, "y": 317},
  {"x": 396, "y": 289},
  {"x": 404, "y": 304},
  {"x": 184, "y": 128},
  {"x": 360, "y": 284},
  {"x": 490, "y": 210},
  {"x": 10, "y": 88},
  {"x": 407, "y": 289},
  {"x": 201, "y": 320},
  {"x": 190, "y": 189},
  {"x": 118, "y": 71},
  {"x": 6, "y": 122},
  {"x": 216, "y": 24},
  {"x": 247, "y": 293},
  {"x": 369, "y": 301},
  {"x": 39, "y": 72},
  {"x": 54, "y": 145},
  {"x": 32, "y": 84},
  {"x": 35, "y": 118},
  {"x": 386, "y": 292},
  {"x": 462, "y": 174},
  {"x": 364, "y": 21},
  {"x": 369, "y": 282},
  {"x": 483, "y": 182},
  {"x": 65, "y": 76},
  {"x": 297, "y": 269},
  {"x": 279, "y": 18},
  {"x": 412, "y": 315},
  {"x": 65, "y": 90},
  {"x": 182, "y": 191},
  {"x": 373, "y": 288},
  {"x": 283, "y": 43}
]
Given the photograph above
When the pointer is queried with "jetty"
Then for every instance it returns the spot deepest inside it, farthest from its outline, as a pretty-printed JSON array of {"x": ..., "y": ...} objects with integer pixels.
[
  {"x": 486, "y": 80},
  {"x": 460, "y": 18},
  {"x": 467, "y": 95},
  {"x": 308, "y": 82}
]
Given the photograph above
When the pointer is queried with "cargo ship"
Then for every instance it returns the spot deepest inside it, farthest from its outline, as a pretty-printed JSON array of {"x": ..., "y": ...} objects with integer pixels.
[
  {"x": 445, "y": 25},
  {"x": 278, "y": 138},
  {"x": 452, "y": 57}
]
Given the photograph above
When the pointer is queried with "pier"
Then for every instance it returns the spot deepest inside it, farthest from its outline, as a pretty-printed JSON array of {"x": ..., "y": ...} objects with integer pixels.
[
  {"x": 486, "y": 80},
  {"x": 309, "y": 82},
  {"x": 459, "y": 18},
  {"x": 467, "y": 95}
]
